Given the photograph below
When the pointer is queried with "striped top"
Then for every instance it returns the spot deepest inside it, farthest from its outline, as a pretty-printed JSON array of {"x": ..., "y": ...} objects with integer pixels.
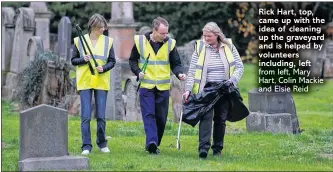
[{"x": 216, "y": 68}]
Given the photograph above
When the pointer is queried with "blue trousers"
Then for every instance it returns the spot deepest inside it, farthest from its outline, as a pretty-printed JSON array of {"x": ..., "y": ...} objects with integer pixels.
[
  {"x": 154, "y": 108},
  {"x": 100, "y": 101}
]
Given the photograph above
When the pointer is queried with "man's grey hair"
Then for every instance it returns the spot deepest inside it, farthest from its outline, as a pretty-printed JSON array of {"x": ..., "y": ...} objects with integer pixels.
[{"x": 158, "y": 21}]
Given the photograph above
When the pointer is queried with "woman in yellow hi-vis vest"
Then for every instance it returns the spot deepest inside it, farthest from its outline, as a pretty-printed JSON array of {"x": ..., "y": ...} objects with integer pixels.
[
  {"x": 97, "y": 83},
  {"x": 215, "y": 59},
  {"x": 155, "y": 82}
]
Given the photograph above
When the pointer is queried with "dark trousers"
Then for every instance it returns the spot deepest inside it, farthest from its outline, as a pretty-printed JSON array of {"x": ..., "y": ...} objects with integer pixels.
[
  {"x": 219, "y": 115},
  {"x": 154, "y": 109},
  {"x": 100, "y": 101}
]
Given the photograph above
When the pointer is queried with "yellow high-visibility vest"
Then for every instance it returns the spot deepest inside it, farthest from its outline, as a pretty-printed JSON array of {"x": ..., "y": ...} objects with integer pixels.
[
  {"x": 200, "y": 48},
  {"x": 84, "y": 78},
  {"x": 158, "y": 69}
]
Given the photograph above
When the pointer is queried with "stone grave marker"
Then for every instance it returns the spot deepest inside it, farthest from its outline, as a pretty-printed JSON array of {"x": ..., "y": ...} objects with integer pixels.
[
  {"x": 8, "y": 26},
  {"x": 44, "y": 141},
  {"x": 64, "y": 38},
  {"x": 273, "y": 112},
  {"x": 42, "y": 19},
  {"x": 115, "y": 106},
  {"x": 24, "y": 28}
]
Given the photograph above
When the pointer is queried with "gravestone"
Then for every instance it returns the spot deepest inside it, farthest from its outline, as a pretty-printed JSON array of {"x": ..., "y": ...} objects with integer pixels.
[
  {"x": 24, "y": 29},
  {"x": 328, "y": 64},
  {"x": 115, "y": 105},
  {"x": 44, "y": 141},
  {"x": 42, "y": 19},
  {"x": 131, "y": 100},
  {"x": 321, "y": 61},
  {"x": 35, "y": 45},
  {"x": 271, "y": 112},
  {"x": 7, "y": 32},
  {"x": 64, "y": 38},
  {"x": 3, "y": 75},
  {"x": 274, "y": 123},
  {"x": 144, "y": 29}
]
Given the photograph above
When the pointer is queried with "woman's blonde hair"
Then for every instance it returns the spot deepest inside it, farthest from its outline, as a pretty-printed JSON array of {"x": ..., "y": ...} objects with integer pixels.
[
  {"x": 215, "y": 29},
  {"x": 96, "y": 21}
]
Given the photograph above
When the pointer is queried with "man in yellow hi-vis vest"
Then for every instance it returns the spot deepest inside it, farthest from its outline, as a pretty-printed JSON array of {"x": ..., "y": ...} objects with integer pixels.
[
  {"x": 155, "y": 82},
  {"x": 214, "y": 59},
  {"x": 102, "y": 48}
]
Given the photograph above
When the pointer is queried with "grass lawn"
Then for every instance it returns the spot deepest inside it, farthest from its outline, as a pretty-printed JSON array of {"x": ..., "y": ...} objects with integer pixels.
[{"x": 311, "y": 150}]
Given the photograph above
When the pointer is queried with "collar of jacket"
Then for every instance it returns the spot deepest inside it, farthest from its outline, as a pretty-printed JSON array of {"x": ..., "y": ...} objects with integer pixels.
[
  {"x": 207, "y": 45},
  {"x": 148, "y": 37}
]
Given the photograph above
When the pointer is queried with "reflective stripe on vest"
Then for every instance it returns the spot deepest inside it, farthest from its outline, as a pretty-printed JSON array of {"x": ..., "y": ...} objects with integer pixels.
[
  {"x": 158, "y": 69},
  {"x": 84, "y": 79},
  {"x": 201, "y": 51}
]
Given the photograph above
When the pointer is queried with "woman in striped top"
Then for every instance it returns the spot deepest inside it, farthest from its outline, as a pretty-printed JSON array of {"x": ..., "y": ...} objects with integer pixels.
[{"x": 221, "y": 61}]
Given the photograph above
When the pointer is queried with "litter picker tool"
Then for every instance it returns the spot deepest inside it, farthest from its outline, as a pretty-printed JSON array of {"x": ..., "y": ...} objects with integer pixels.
[
  {"x": 179, "y": 125},
  {"x": 144, "y": 67}
]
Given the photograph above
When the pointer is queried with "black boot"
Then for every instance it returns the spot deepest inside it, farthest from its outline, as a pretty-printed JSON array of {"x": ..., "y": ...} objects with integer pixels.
[
  {"x": 152, "y": 148},
  {"x": 203, "y": 154}
]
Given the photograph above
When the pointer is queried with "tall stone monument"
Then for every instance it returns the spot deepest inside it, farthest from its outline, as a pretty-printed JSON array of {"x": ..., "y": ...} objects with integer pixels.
[
  {"x": 122, "y": 29},
  {"x": 64, "y": 38},
  {"x": 42, "y": 19},
  {"x": 7, "y": 32},
  {"x": 24, "y": 29}
]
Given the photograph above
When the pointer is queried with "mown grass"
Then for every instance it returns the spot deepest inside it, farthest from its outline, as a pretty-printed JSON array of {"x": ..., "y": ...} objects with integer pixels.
[{"x": 243, "y": 150}]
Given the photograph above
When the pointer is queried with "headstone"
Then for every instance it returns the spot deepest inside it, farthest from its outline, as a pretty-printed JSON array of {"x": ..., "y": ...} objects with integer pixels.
[
  {"x": 42, "y": 18},
  {"x": 53, "y": 87},
  {"x": 328, "y": 68},
  {"x": 35, "y": 45},
  {"x": 115, "y": 105},
  {"x": 64, "y": 38},
  {"x": 7, "y": 32},
  {"x": 3, "y": 64},
  {"x": 328, "y": 64},
  {"x": 143, "y": 30},
  {"x": 274, "y": 107},
  {"x": 185, "y": 53},
  {"x": 24, "y": 29},
  {"x": 132, "y": 102},
  {"x": 44, "y": 141},
  {"x": 54, "y": 42},
  {"x": 274, "y": 123}
]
